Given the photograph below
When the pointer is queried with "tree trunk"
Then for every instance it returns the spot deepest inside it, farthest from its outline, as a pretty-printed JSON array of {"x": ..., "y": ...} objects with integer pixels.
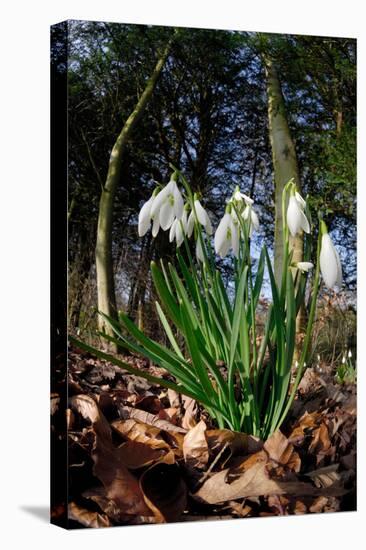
[
  {"x": 285, "y": 168},
  {"x": 103, "y": 251},
  {"x": 284, "y": 163}
]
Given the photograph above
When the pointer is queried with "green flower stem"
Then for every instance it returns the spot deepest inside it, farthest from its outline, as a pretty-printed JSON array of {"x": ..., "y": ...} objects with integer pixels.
[{"x": 301, "y": 367}]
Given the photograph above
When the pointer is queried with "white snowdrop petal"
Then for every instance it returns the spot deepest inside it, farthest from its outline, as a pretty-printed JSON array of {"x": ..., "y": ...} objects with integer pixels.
[
  {"x": 144, "y": 217},
  {"x": 156, "y": 226},
  {"x": 179, "y": 234},
  {"x": 246, "y": 212},
  {"x": 201, "y": 213},
  {"x": 184, "y": 220},
  {"x": 166, "y": 215},
  {"x": 329, "y": 262},
  {"x": 305, "y": 266},
  {"x": 190, "y": 224},
  {"x": 199, "y": 252},
  {"x": 293, "y": 216},
  {"x": 172, "y": 231},
  {"x": 300, "y": 200},
  {"x": 178, "y": 203},
  {"x": 221, "y": 232},
  {"x": 305, "y": 226},
  {"x": 208, "y": 226},
  {"x": 224, "y": 249},
  {"x": 255, "y": 220}
]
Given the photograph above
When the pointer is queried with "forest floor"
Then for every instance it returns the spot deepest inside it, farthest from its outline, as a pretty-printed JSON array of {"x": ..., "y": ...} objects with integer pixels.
[{"x": 140, "y": 454}]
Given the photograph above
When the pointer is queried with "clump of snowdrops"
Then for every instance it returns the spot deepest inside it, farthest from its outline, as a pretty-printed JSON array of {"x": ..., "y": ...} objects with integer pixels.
[{"x": 244, "y": 382}]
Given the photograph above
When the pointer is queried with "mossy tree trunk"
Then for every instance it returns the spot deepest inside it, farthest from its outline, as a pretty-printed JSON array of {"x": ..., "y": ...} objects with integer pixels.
[
  {"x": 103, "y": 250},
  {"x": 285, "y": 168}
]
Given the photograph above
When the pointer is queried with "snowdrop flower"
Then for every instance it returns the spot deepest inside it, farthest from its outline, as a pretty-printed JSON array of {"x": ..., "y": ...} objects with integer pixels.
[
  {"x": 239, "y": 196},
  {"x": 296, "y": 219},
  {"x": 199, "y": 252},
  {"x": 176, "y": 232},
  {"x": 202, "y": 216},
  {"x": 330, "y": 264},
  {"x": 227, "y": 236},
  {"x": 250, "y": 214},
  {"x": 349, "y": 354},
  {"x": 168, "y": 205},
  {"x": 304, "y": 266},
  {"x": 190, "y": 224},
  {"x": 145, "y": 217}
]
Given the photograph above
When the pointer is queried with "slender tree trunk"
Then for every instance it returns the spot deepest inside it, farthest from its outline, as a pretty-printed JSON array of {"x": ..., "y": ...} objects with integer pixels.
[
  {"x": 284, "y": 162},
  {"x": 103, "y": 251},
  {"x": 285, "y": 168}
]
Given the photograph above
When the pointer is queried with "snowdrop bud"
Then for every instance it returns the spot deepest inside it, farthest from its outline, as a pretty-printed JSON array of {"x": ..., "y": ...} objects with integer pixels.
[
  {"x": 203, "y": 217},
  {"x": 161, "y": 198},
  {"x": 304, "y": 266},
  {"x": 156, "y": 225},
  {"x": 227, "y": 235},
  {"x": 199, "y": 252},
  {"x": 349, "y": 354},
  {"x": 343, "y": 359},
  {"x": 179, "y": 233},
  {"x": 239, "y": 196},
  {"x": 250, "y": 214},
  {"x": 190, "y": 224},
  {"x": 172, "y": 231},
  {"x": 330, "y": 264},
  {"x": 145, "y": 217},
  {"x": 296, "y": 219}
]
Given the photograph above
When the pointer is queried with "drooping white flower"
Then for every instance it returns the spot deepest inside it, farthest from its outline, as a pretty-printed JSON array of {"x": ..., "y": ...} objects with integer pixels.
[
  {"x": 145, "y": 217},
  {"x": 239, "y": 196},
  {"x": 227, "y": 236},
  {"x": 330, "y": 264},
  {"x": 296, "y": 219},
  {"x": 190, "y": 224},
  {"x": 349, "y": 354},
  {"x": 167, "y": 205},
  {"x": 199, "y": 252},
  {"x": 203, "y": 217},
  {"x": 177, "y": 231},
  {"x": 305, "y": 266},
  {"x": 250, "y": 214}
]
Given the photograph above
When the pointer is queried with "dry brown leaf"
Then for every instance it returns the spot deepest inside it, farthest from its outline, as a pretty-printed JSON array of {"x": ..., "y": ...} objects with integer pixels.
[
  {"x": 326, "y": 477},
  {"x": 136, "y": 455},
  {"x": 86, "y": 517},
  {"x": 170, "y": 414},
  {"x": 195, "y": 448},
  {"x": 320, "y": 444},
  {"x": 148, "y": 418},
  {"x": 282, "y": 451},
  {"x": 307, "y": 422},
  {"x": 88, "y": 408},
  {"x": 190, "y": 408},
  {"x": 152, "y": 436},
  {"x": 237, "y": 442},
  {"x": 174, "y": 398},
  {"x": 140, "y": 432},
  {"x": 120, "y": 485},
  {"x": 164, "y": 491},
  {"x": 318, "y": 505},
  {"x": 253, "y": 481},
  {"x": 109, "y": 507}
]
